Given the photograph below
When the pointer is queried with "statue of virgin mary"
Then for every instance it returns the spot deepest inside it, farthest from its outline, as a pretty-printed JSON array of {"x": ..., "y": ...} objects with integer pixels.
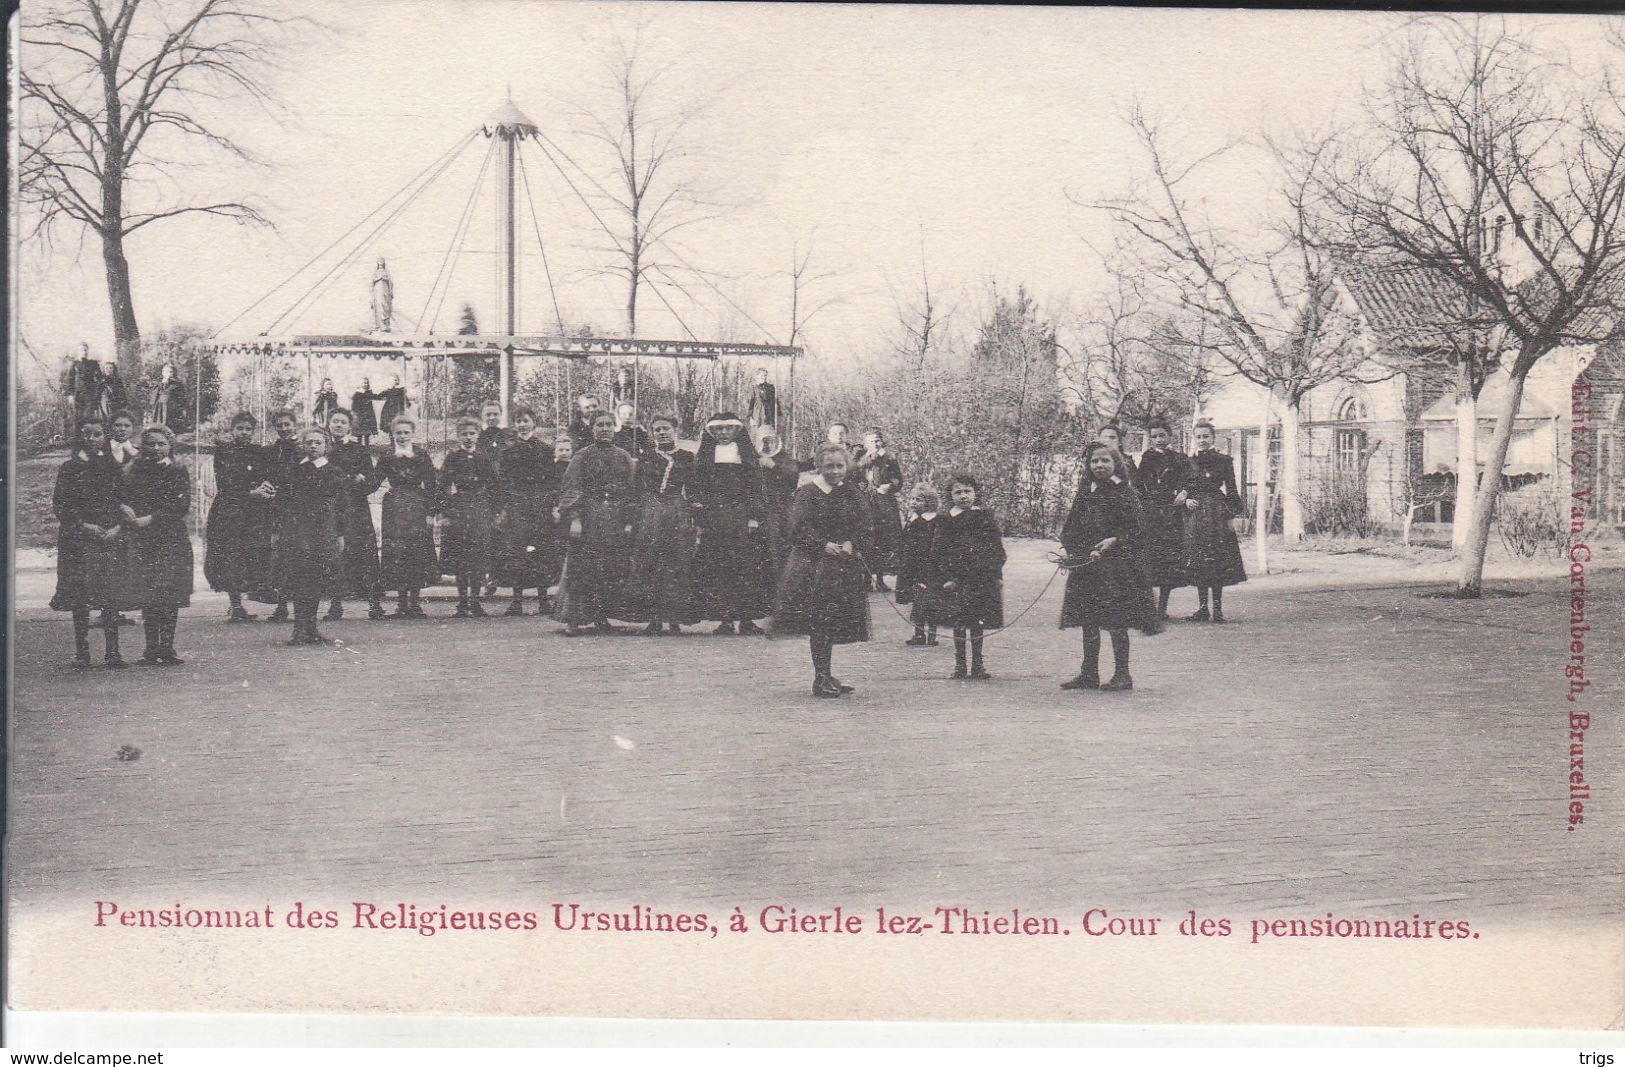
[{"x": 383, "y": 298}]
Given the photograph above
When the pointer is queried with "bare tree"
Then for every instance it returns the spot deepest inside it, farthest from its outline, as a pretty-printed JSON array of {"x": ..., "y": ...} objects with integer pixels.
[
  {"x": 803, "y": 307},
  {"x": 1137, "y": 359},
  {"x": 1505, "y": 175},
  {"x": 1271, "y": 306},
  {"x": 920, "y": 319},
  {"x": 109, "y": 90}
]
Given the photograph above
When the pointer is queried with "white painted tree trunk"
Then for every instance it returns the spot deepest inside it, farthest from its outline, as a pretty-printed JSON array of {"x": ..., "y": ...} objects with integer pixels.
[
  {"x": 1466, "y": 457},
  {"x": 1291, "y": 500},
  {"x": 1471, "y": 582},
  {"x": 1261, "y": 504}
]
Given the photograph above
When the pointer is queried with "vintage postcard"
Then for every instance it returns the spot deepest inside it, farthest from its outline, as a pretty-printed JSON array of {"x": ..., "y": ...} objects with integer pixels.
[{"x": 803, "y": 512}]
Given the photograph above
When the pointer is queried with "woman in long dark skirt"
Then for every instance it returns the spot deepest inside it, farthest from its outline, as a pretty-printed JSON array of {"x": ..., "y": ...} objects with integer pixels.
[
  {"x": 823, "y": 591},
  {"x": 281, "y": 456},
  {"x": 468, "y": 485},
  {"x": 966, "y": 574},
  {"x": 155, "y": 496},
  {"x": 523, "y": 525},
  {"x": 598, "y": 502},
  {"x": 914, "y": 562},
  {"x": 408, "y": 560},
  {"x": 881, "y": 477},
  {"x": 660, "y": 586},
  {"x": 356, "y": 465},
  {"x": 780, "y": 475},
  {"x": 1213, "y": 518},
  {"x": 238, "y": 530},
  {"x": 733, "y": 568},
  {"x": 1106, "y": 590},
  {"x": 307, "y": 554},
  {"x": 90, "y": 543},
  {"x": 1161, "y": 483}
]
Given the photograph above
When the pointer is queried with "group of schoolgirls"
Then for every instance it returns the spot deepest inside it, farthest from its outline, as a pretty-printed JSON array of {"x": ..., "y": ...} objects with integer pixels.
[{"x": 122, "y": 542}]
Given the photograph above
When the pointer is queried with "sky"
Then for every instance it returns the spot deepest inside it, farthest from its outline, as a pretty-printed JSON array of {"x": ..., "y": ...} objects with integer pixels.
[{"x": 955, "y": 140}]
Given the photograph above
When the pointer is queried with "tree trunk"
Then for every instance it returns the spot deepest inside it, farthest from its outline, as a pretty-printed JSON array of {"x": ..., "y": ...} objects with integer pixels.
[
  {"x": 1261, "y": 504},
  {"x": 1466, "y": 455},
  {"x": 1471, "y": 583},
  {"x": 126, "y": 334},
  {"x": 1291, "y": 501}
]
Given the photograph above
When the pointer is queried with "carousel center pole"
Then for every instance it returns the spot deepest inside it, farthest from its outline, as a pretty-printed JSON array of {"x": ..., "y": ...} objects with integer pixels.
[{"x": 509, "y": 126}]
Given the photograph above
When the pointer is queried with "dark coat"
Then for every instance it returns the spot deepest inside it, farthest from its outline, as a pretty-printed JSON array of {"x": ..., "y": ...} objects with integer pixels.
[
  {"x": 394, "y": 404},
  {"x": 363, "y": 419},
  {"x": 779, "y": 484},
  {"x": 238, "y": 534},
  {"x": 1112, "y": 592},
  {"x": 170, "y": 406},
  {"x": 967, "y": 550},
  {"x": 408, "y": 557},
  {"x": 307, "y": 561},
  {"x": 763, "y": 409},
  {"x": 160, "y": 560},
  {"x": 660, "y": 585},
  {"x": 91, "y": 573},
  {"x": 114, "y": 397},
  {"x": 634, "y": 441},
  {"x": 820, "y": 594},
  {"x": 733, "y": 567},
  {"x": 492, "y": 440},
  {"x": 599, "y": 491},
  {"x": 520, "y": 547},
  {"x": 1163, "y": 476},
  {"x": 468, "y": 491},
  {"x": 914, "y": 560},
  {"x": 83, "y": 381},
  {"x": 882, "y": 477},
  {"x": 327, "y": 402},
  {"x": 358, "y": 469},
  {"x": 1212, "y": 556}
]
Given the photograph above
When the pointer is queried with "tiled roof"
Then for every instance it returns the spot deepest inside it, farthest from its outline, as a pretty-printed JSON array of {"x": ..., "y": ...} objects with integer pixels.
[{"x": 1406, "y": 304}]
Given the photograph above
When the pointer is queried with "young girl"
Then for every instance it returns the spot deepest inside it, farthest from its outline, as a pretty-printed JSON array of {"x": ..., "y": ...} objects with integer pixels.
[
  {"x": 467, "y": 488},
  {"x": 1213, "y": 510},
  {"x": 281, "y": 456},
  {"x": 154, "y": 499},
  {"x": 597, "y": 503},
  {"x": 966, "y": 574},
  {"x": 123, "y": 447},
  {"x": 913, "y": 560},
  {"x": 237, "y": 533},
  {"x": 90, "y": 558},
  {"x": 409, "y": 508},
  {"x": 823, "y": 590},
  {"x": 524, "y": 525},
  {"x": 1161, "y": 482},
  {"x": 1107, "y": 590},
  {"x": 660, "y": 585},
  {"x": 355, "y": 464},
  {"x": 557, "y": 531},
  {"x": 1111, "y": 435},
  {"x": 780, "y": 477},
  {"x": 307, "y": 562},
  {"x": 880, "y": 477}
]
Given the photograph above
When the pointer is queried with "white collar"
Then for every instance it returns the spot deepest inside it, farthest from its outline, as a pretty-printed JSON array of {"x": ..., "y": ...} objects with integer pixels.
[
  {"x": 956, "y": 510},
  {"x": 84, "y": 457},
  {"x": 165, "y": 461},
  {"x": 926, "y": 515},
  {"x": 822, "y": 484},
  {"x": 318, "y": 462},
  {"x": 729, "y": 453},
  {"x": 405, "y": 454},
  {"x": 121, "y": 447}
]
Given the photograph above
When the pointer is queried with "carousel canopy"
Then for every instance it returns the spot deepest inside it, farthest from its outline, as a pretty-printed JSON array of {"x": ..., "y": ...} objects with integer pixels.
[{"x": 365, "y": 346}]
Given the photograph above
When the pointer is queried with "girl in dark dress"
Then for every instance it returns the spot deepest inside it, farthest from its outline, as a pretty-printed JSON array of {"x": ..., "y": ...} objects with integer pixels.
[
  {"x": 362, "y": 413},
  {"x": 557, "y": 531},
  {"x": 356, "y": 466},
  {"x": 408, "y": 562},
  {"x": 733, "y": 566},
  {"x": 882, "y": 478},
  {"x": 660, "y": 586},
  {"x": 1111, "y": 435},
  {"x": 524, "y": 524},
  {"x": 90, "y": 543},
  {"x": 307, "y": 555},
  {"x": 598, "y": 502},
  {"x": 966, "y": 574},
  {"x": 327, "y": 402},
  {"x": 1213, "y": 518},
  {"x": 468, "y": 483},
  {"x": 1106, "y": 590},
  {"x": 823, "y": 591},
  {"x": 154, "y": 499},
  {"x": 779, "y": 475},
  {"x": 121, "y": 444},
  {"x": 238, "y": 530},
  {"x": 281, "y": 457},
  {"x": 1161, "y": 482},
  {"x": 914, "y": 562}
]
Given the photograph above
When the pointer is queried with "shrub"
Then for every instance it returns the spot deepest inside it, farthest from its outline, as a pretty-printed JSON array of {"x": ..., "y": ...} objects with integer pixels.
[{"x": 1533, "y": 519}]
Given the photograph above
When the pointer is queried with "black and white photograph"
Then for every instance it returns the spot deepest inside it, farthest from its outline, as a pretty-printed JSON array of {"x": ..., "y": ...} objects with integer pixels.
[{"x": 827, "y": 513}]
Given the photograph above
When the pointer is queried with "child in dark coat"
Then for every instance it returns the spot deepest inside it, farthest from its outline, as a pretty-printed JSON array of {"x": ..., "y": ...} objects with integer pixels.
[
  {"x": 408, "y": 560},
  {"x": 238, "y": 530},
  {"x": 468, "y": 482},
  {"x": 914, "y": 561},
  {"x": 1213, "y": 517},
  {"x": 966, "y": 574},
  {"x": 307, "y": 555},
  {"x": 90, "y": 556},
  {"x": 154, "y": 499},
  {"x": 356, "y": 466}
]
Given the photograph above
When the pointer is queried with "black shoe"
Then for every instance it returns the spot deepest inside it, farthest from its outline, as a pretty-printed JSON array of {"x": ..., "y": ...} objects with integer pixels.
[
  {"x": 1218, "y": 616},
  {"x": 515, "y": 609},
  {"x": 839, "y": 685},
  {"x": 959, "y": 673},
  {"x": 824, "y": 687},
  {"x": 490, "y": 590},
  {"x": 726, "y": 628},
  {"x": 149, "y": 659},
  {"x": 416, "y": 612},
  {"x": 917, "y": 641},
  {"x": 750, "y": 629},
  {"x": 477, "y": 610},
  {"x": 279, "y": 615},
  {"x": 125, "y": 620},
  {"x": 169, "y": 659},
  {"x": 672, "y": 630},
  {"x": 932, "y": 642},
  {"x": 81, "y": 659},
  {"x": 603, "y": 626},
  {"x": 334, "y": 613},
  {"x": 979, "y": 674},
  {"x": 239, "y": 614},
  {"x": 651, "y": 630},
  {"x": 1084, "y": 680},
  {"x": 115, "y": 662},
  {"x": 1119, "y": 683},
  {"x": 376, "y": 612},
  {"x": 1199, "y": 615},
  {"x": 462, "y": 612},
  {"x": 297, "y": 639},
  {"x": 880, "y": 585},
  {"x": 572, "y": 630},
  {"x": 315, "y": 637}
]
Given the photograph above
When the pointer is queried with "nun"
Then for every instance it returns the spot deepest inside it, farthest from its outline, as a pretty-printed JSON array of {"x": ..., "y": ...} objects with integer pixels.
[{"x": 733, "y": 567}]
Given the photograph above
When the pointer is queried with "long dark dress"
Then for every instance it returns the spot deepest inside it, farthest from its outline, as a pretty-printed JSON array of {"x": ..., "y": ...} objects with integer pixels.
[
  {"x": 1212, "y": 556},
  {"x": 468, "y": 482},
  {"x": 820, "y": 594},
  {"x": 327, "y": 402},
  {"x": 882, "y": 478},
  {"x": 1162, "y": 476},
  {"x": 114, "y": 396},
  {"x": 170, "y": 406},
  {"x": 779, "y": 483},
  {"x": 520, "y": 546},
  {"x": 492, "y": 441},
  {"x": 966, "y": 549},
  {"x": 598, "y": 490},
  {"x": 408, "y": 558},
  {"x": 1112, "y": 592},
  {"x": 306, "y": 561},
  {"x": 238, "y": 533},
  {"x": 556, "y": 537},
  {"x": 394, "y": 400},
  {"x": 160, "y": 556},
  {"x": 733, "y": 567},
  {"x": 660, "y": 585},
  {"x": 91, "y": 574},
  {"x": 913, "y": 566},
  {"x": 363, "y": 419},
  {"x": 359, "y": 471}
]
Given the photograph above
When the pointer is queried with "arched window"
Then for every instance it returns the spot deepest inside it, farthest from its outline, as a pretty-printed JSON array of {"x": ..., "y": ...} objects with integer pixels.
[{"x": 1352, "y": 409}]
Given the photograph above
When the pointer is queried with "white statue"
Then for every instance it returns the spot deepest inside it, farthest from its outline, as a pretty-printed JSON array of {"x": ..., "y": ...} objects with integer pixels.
[{"x": 383, "y": 298}]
